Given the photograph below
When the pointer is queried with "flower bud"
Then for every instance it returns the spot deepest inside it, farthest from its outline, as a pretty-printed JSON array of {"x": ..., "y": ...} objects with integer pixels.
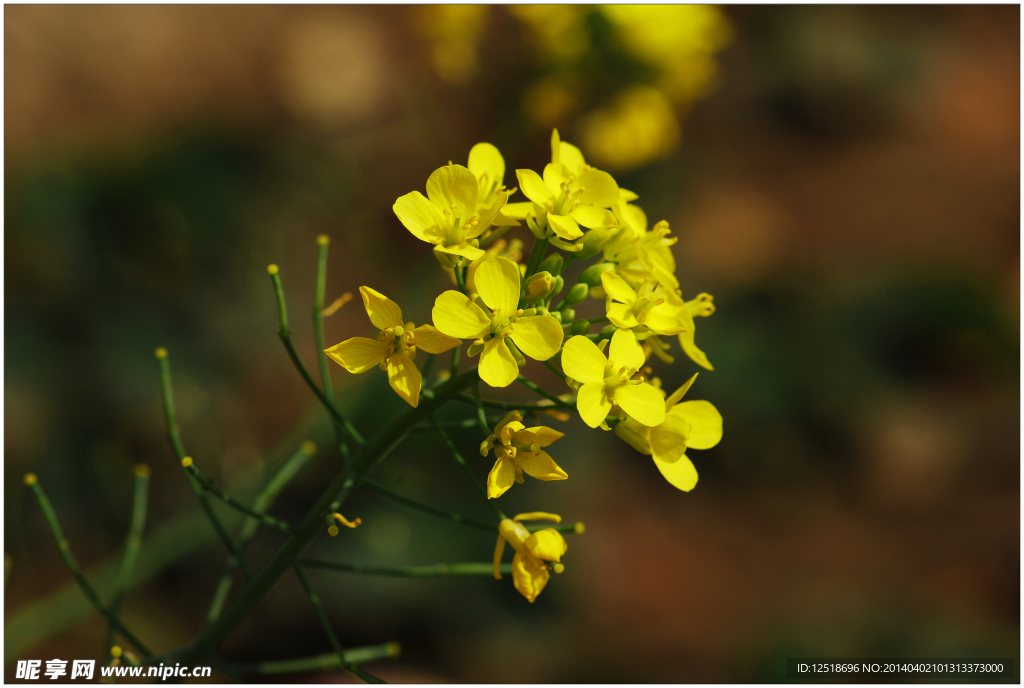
[
  {"x": 595, "y": 240},
  {"x": 552, "y": 264},
  {"x": 581, "y": 327},
  {"x": 539, "y": 286},
  {"x": 592, "y": 275},
  {"x": 578, "y": 294},
  {"x": 557, "y": 315},
  {"x": 559, "y": 285},
  {"x": 568, "y": 315},
  {"x": 607, "y": 331}
]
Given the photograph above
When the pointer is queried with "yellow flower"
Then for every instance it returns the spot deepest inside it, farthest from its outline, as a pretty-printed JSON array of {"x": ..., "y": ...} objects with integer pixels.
[
  {"x": 529, "y": 570},
  {"x": 691, "y": 424},
  {"x": 612, "y": 380},
  {"x": 487, "y": 164},
  {"x": 702, "y": 306},
  {"x": 518, "y": 449},
  {"x": 648, "y": 309},
  {"x": 500, "y": 328},
  {"x": 639, "y": 254},
  {"x": 393, "y": 349},
  {"x": 570, "y": 193},
  {"x": 448, "y": 216}
]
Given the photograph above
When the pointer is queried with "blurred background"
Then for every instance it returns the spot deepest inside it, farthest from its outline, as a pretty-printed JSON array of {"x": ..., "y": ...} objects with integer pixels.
[{"x": 844, "y": 180}]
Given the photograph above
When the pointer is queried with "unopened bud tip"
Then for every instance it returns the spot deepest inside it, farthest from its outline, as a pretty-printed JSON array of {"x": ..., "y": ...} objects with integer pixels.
[
  {"x": 323, "y": 240},
  {"x": 186, "y": 462},
  {"x": 161, "y": 352},
  {"x": 141, "y": 470},
  {"x": 30, "y": 479},
  {"x": 272, "y": 269}
]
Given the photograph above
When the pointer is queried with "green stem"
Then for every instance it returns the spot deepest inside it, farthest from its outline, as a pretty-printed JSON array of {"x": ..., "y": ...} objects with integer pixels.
[
  {"x": 230, "y": 501},
  {"x": 286, "y": 338},
  {"x": 263, "y": 502},
  {"x": 462, "y": 462},
  {"x": 76, "y": 573},
  {"x": 131, "y": 548},
  {"x": 329, "y": 660},
  {"x": 592, "y": 321},
  {"x": 375, "y": 450},
  {"x": 321, "y": 613},
  {"x": 457, "y": 518},
  {"x": 495, "y": 234},
  {"x": 323, "y": 241},
  {"x": 460, "y": 278},
  {"x": 454, "y": 369},
  {"x": 174, "y": 434},
  {"x": 427, "y": 367},
  {"x": 481, "y": 416},
  {"x": 544, "y": 393},
  {"x": 553, "y": 369},
  {"x": 429, "y": 571},
  {"x": 456, "y": 424},
  {"x": 504, "y": 405}
]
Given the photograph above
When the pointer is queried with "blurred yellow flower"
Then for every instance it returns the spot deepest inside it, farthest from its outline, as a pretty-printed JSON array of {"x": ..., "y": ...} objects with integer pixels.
[
  {"x": 529, "y": 570},
  {"x": 612, "y": 380},
  {"x": 454, "y": 33},
  {"x": 502, "y": 331},
  {"x": 640, "y": 126},
  {"x": 558, "y": 30},
  {"x": 691, "y": 424},
  {"x": 393, "y": 349},
  {"x": 518, "y": 449}
]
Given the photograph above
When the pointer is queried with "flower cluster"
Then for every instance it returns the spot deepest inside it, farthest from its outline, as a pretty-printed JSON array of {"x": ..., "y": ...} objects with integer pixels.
[{"x": 507, "y": 311}]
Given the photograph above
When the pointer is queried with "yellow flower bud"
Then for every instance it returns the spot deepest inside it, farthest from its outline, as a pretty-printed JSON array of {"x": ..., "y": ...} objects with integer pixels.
[{"x": 539, "y": 286}]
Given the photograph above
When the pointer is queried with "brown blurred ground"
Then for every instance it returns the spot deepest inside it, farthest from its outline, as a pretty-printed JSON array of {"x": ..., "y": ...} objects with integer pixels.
[{"x": 849, "y": 193}]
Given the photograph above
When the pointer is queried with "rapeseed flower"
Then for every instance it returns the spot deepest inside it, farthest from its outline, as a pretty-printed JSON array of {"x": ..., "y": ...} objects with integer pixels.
[
  {"x": 650, "y": 308},
  {"x": 448, "y": 216},
  {"x": 611, "y": 381},
  {"x": 518, "y": 450},
  {"x": 502, "y": 331},
  {"x": 533, "y": 550},
  {"x": 687, "y": 425},
  {"x": 393, "y": 349}
]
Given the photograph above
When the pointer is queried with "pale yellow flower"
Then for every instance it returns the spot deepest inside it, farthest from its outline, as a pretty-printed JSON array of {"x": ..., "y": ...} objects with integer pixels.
[
  {"x": 533, "y": 550},
  {"x": 394, "y": 348},
  {"x": 687, "y": 425},
  {"x": 502, "y": 331},
  {"x": 519, "y": 450}
]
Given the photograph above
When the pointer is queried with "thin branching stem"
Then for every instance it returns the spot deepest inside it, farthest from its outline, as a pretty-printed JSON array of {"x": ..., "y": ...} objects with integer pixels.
[
  {"x": 174, "y": 433},
  {"x": 323, "y": 241},
  {"x": 546, "y": 394},
  {"x": 328, "y": 660},
  {"x": 462, "y": 462},
  {"x": 454, "y": 369},
  {"x": 481, "y": 416},
  {"x": 69, "y": 560},
  {"x": 230, "y": 501},
  {"x": 428, "y": 571},
  {"x": 457, "y": 518},
  {"x": 321, "y": 613},
  {"x": 131, "y": 548}
]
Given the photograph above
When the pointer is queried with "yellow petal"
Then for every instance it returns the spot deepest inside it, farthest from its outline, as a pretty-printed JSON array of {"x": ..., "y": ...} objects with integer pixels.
[
  {"x": 457, "y": 316},
  {"x": 677, "y": 395},
  {"x": 540, "y": 435},
  {"x": 690, "y": 348},
  {"x": 555, "y": 147},
  {"x": 546, "y": 544},
  {"x": 627, "y": 195},
  {"x": 485, "y": 159},
  {"x": 680, "y": 473},
  {"x": 705, "y": 423},
  {"x": 617, "y": 288},
  {"x": 359, "y": 354},
  {"x": 540, "y": 465},
  {"x": 497, "y": 282},
  {"x": 599, "y": 188},
  {"x": 593, "y": 218},
  {"x": 538, "y": 336},
  {"x": 463, "y": 249},
  {"x": 537, "y": 516},
  {"x": 534, "y": 188},
  {"x": 383, "y": 311},
  {"x": 642, "y": 402},
  {"x": 668, "y": 440},
  {"x": 500, "y": 478},
  {"x": 420, "y": 216},
  {"x": 517, "y": 211},
  {"x": 565, "y": 227},
  {"x": 570, "y": 156},
  {"x": 499, "y": 550},
  {"x": 453, "y": 185},
  {"x": 428, "y": 338},
  {"x": 663, "y": 322},
  {"x": 626, "y": 352},
  {"x": 555, "y": 175},
  {"x": 583, "y": 361},
  {"x": 497, "y": 366},
  {"x": 593, "y": 403},
  {"x": 529, "y": 575},
  {"x": 405, "y": 378},
  {"x": 622, "y": 316},
  {"x": 635, "y": 435}
]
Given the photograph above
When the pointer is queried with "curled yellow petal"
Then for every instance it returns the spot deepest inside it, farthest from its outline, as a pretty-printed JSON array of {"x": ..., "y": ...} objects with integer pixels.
[
  {"x": 405, "y": 378},
  {"x": 500, "y": 478},
  {"x": 537, "y": 516},
  {"x": 540, "y": 435},
  {"x": 499, "y": 550},
  {"x": 599, "y": 188},
  {"x": 540, "y": 465},
  {"x": 705, "y": 423},
  {"x": 534, "y": 188},
  {"x": 680, "y": 473},
  {"x": 529, "y": 575},
  {"x": 546, "y": 544}
]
